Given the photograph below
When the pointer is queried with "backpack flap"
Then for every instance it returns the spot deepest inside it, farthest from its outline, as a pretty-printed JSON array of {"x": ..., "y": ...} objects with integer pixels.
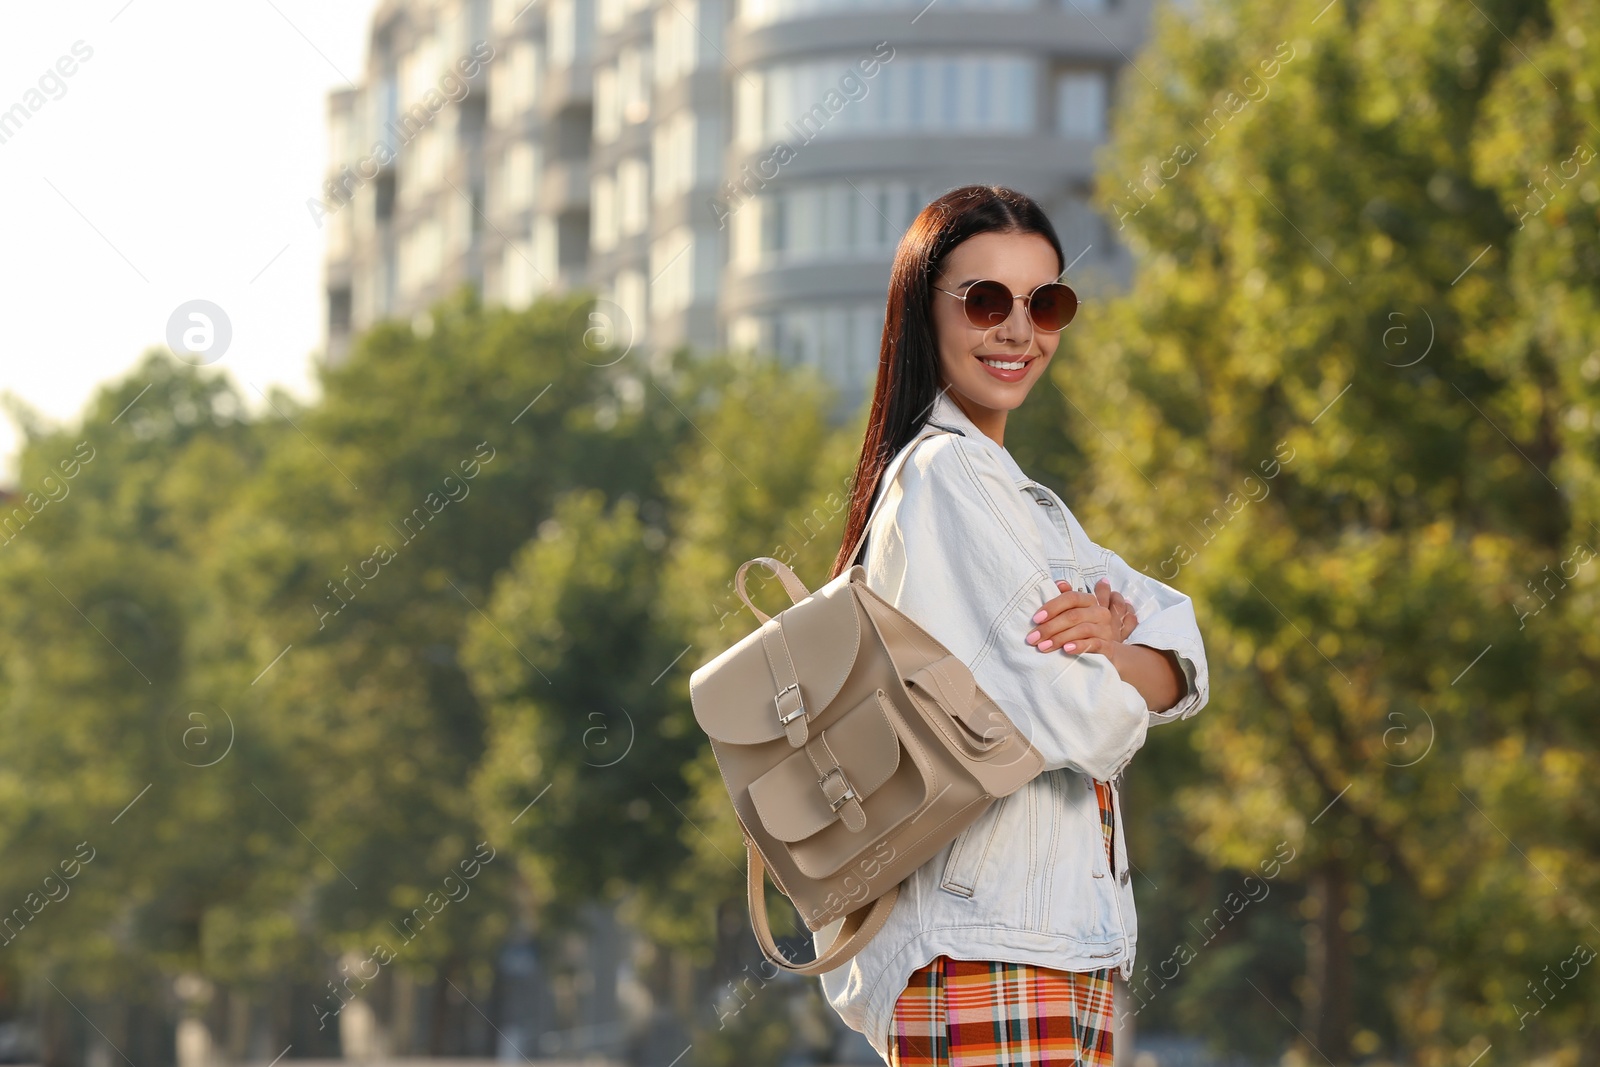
[{"x": 789, "y": 669}]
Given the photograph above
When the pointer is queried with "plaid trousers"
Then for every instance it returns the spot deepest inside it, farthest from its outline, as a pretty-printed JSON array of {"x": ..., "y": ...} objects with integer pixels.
[{"x": 981, "y": 1013}]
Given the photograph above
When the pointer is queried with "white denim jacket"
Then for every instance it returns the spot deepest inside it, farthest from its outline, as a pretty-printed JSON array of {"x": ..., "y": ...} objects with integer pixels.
[{"x": 970, "y": 547}]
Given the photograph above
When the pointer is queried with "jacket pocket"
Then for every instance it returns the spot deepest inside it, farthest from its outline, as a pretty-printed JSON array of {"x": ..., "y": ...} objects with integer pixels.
[
  {"x": 969, "y": 851},
  {"x": 1083, "y": 901}
]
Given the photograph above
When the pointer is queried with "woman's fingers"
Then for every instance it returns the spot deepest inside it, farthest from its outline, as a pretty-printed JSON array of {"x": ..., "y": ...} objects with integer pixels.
[
  {"x": 1123, "y": 612},
  {"x": 1067, "y": 600},
  {"x": 1101, "y": 632},
  {"x": 1082, "y": 622},
  {"x": 1072, "y": 624}
]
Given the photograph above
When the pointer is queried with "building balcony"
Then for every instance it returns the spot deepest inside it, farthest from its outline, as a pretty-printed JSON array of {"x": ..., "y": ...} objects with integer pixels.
[
  {"x": 1065, "y": 32},
  {"x": 914, "y": 152}
]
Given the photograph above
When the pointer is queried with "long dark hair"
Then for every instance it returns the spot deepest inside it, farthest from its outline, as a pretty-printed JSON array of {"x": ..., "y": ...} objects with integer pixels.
[{"x": 908, "y": 356}]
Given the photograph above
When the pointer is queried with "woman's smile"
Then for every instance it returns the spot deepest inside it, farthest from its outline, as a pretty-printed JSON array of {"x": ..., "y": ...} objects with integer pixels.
[{"x": 1007, "y": 368}]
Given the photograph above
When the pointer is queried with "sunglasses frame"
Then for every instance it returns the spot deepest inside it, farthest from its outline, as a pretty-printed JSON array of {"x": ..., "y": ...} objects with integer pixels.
[{"x": 1027, "y": 303}]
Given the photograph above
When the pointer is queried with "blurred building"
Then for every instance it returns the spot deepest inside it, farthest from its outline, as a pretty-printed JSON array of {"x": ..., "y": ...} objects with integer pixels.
[{"x": 728, "y": 173}]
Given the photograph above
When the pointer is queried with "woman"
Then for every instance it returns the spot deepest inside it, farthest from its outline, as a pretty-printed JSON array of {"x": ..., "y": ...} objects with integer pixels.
[{"x": 1001, "y": 949}]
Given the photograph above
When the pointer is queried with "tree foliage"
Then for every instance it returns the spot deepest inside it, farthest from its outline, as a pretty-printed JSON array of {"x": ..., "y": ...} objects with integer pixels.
[{"x": 1349, "y": 405}]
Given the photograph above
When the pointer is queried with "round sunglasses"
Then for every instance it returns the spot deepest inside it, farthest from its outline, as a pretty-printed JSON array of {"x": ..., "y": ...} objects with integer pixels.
[{"x": 1050, "y": 307}]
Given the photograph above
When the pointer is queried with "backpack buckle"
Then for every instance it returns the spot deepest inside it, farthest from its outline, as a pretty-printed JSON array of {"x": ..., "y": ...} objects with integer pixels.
[
  {"x": 847, "y": 795},
  {"x": 799, "y": 709}
]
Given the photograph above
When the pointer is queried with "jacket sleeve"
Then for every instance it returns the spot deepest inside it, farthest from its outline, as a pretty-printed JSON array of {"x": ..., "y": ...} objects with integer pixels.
[
  {"x": 954, "y": 548},
  {"x": 1166, "y": 621}
]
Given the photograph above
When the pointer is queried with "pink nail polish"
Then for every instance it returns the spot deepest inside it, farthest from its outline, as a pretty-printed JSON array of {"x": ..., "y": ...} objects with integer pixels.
[
  {"x": 1069, "y": 646},
  {"x": 1032, "y": 637},
  {"x": 1041, "y": 615},
  {"x": 1044, "y": 646}
]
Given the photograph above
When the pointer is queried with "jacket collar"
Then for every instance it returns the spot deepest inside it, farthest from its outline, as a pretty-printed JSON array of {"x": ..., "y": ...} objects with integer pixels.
[{"x": 947, "y": 414}]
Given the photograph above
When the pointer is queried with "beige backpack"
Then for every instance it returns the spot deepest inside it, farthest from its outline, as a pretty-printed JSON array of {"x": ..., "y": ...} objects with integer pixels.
[{"x": 854, "y": 747}]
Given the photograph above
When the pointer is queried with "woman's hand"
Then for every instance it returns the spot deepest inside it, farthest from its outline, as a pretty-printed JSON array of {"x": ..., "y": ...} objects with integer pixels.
[{"x": 1078, "y": 622}]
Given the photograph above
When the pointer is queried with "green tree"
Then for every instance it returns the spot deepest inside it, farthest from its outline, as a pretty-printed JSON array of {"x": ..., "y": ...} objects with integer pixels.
[
  {"x": 117, "y": 841},
  {"x": 249, "y": 630},
  {"x": 1348, "y": 404},
  {"x": 366, "y": 546}
]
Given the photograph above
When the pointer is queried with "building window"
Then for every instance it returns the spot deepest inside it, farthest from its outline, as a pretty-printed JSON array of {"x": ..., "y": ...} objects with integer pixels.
[
  {"x": 678, "y": 45},
  {"x": 339, "y": 309},
  {"x": 502, "y": 104},
  {"x": 633, "y": 196},
  {"x": 569, "y": 31},
  {"x": 633, "y": 84},
  {"x": 607, "y": 104},
  {"x": 421, "y": 257},
  {"x": 1081, "y": 104},
  {"x": 383, "y": 286},
  {"x": 383, "y": 195},
  {"x": 459, "y": 232},
  {"x": 546, "y": 249},
  {"x": 629, "y": 292},
  {"x": 341, "y": 137},
  {"x": 603, "y": 212},
  {"x": 820, "y": 221},
  {"x": 518, "y": 170},
  {"x": 561, "y": 32},
  {"x": 474, "y": 21},
  {"x": 524, "y": 65},
  {"x": 673, "y": 155},
  {"x": 683, "y": 266},
  {"x": 385, "y": 101},
  {"x": 672, "y": 260},
  {"x": 841, "y": 341},
  {"x": 340, "y": 231},
  {"x": 418, "y": 69},
  {"x": 796, "y": 102},
  {"x": 519, "y": 282},
  {"x": 425, "y": 166},
  {"x": 1080, "y": 228}
]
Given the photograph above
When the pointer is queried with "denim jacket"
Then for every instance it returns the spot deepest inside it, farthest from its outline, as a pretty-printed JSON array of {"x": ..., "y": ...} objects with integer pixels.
[{"x": 970, "y": 547}]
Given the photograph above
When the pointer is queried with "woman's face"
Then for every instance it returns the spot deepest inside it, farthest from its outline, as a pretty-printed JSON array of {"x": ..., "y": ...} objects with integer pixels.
[{"x": 1022, "y": 261}]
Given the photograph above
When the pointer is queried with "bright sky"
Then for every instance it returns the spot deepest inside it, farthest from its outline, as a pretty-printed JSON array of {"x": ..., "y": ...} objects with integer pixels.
[{"x": 173, "y": 165}]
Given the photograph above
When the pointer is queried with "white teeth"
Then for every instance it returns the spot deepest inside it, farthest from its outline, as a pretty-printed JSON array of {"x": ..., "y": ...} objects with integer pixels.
[{"x": 1002, "y": 364}]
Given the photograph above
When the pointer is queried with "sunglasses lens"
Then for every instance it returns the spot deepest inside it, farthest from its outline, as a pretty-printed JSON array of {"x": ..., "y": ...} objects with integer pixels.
[
  {"x": 1053, "y": 306},
  {"x": 988, "y": 304}
]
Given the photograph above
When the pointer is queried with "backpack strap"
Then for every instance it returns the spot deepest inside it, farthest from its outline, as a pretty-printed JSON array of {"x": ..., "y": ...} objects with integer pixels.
[
  {"x": 859, "y": 926},
  {"x": 889, "y": 475}
]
